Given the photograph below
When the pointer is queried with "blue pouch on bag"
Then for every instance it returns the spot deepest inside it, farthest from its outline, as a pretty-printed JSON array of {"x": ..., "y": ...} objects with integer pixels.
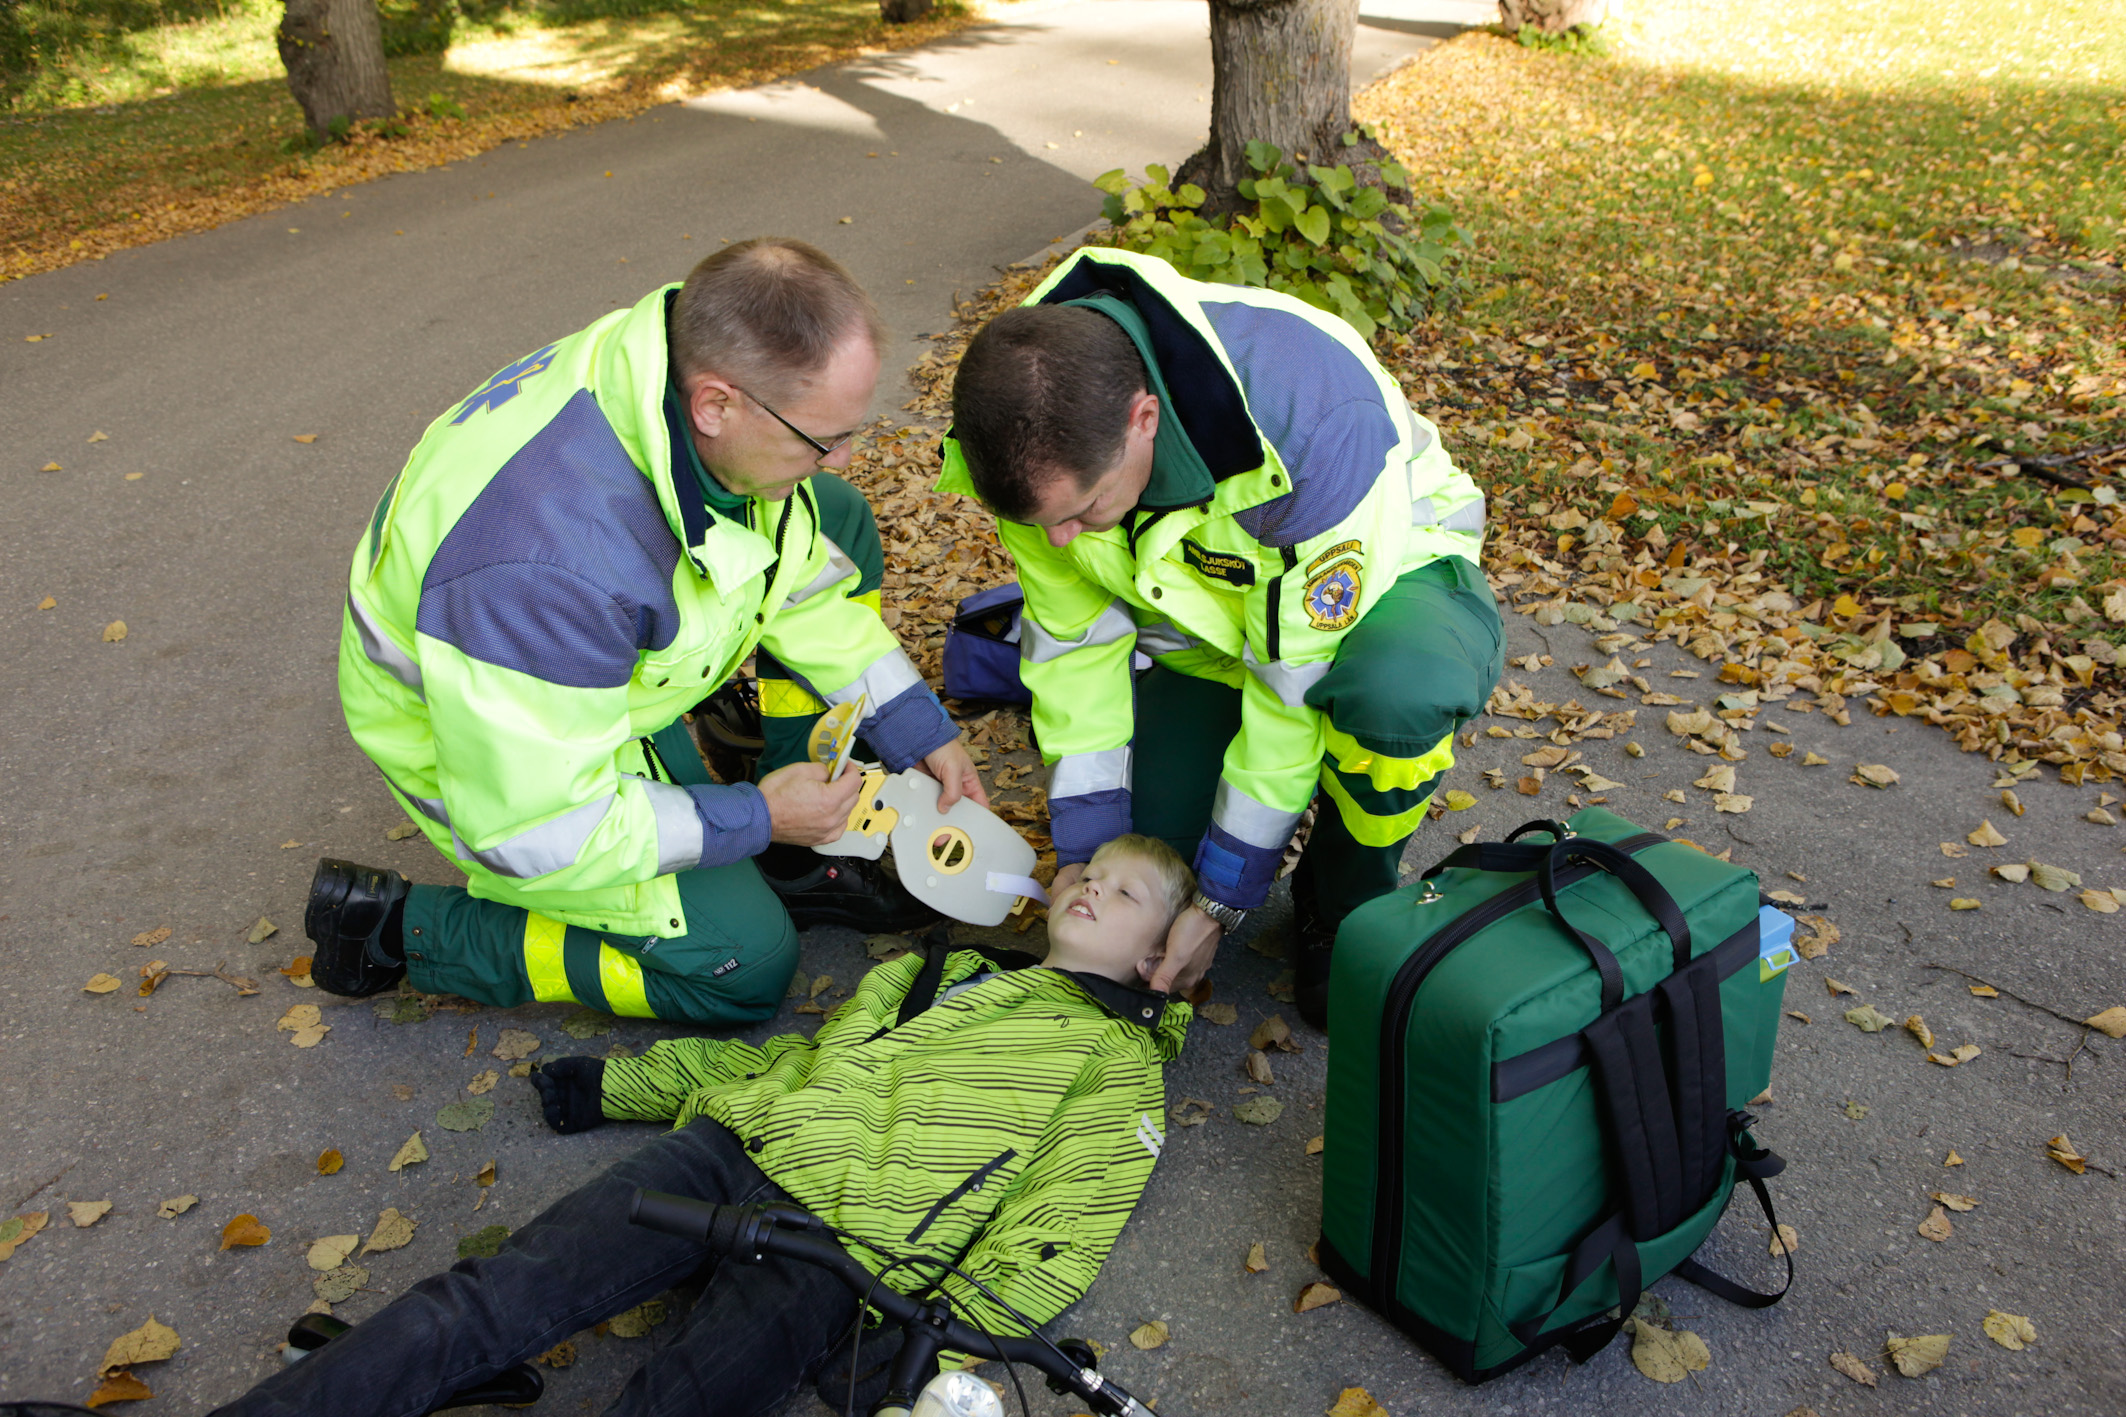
[{"x": 982, "y": 647}]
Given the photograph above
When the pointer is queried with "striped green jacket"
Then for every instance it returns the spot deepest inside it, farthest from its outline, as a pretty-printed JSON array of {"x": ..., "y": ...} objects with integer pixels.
[{"x": 1015, "y": 1123}]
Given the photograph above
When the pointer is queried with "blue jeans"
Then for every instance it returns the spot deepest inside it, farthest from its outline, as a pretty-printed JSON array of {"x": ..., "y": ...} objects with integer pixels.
[{"x": 757, "y": 1333}]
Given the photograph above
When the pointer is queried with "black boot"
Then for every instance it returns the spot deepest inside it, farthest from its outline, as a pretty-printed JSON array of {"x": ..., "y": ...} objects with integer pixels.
[
  {"x": 841, "y": 890},
  {"x": 352, "y": 921}
]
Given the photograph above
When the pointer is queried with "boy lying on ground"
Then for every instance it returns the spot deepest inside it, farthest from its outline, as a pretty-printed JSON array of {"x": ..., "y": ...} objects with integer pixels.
[{"x": 1014, "y": 1120}]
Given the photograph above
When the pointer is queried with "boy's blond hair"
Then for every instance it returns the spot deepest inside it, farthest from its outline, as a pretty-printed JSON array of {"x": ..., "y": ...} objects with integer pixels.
[{"x": 1173, "y": 872}]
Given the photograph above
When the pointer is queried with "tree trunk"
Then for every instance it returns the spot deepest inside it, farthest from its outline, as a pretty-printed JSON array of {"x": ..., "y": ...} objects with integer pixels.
[
  {"x": 1280, "y": 74},
  {"x": 334, "y": 50},
  {"x": 1552, "y": 16},
  {"x": 900, "y": 12}
]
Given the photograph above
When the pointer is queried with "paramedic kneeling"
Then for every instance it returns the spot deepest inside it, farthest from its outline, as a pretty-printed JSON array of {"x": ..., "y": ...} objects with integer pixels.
[
  {"x": 1226, "y": 481},
  {"x": 578, "y": 553}
]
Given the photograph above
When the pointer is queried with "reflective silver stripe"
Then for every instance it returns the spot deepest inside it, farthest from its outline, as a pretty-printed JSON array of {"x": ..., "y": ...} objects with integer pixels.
[
  {"x": 1289, "y": 682},
  {"x": 382, "y": 651},
  {"x": 1164, "y": 637},
  {"x": 838, "y": 569},
  {"x": 1420, "y": 436},
  {"x": 431, "y": 808},
  {"x": 1039, "y": 646},
  {"x": 1467, "y": 517},
  {"x": 679, "y": 836},
  {"x": 1242, "y": 816},
  {"x": 1076, "y": 774},
  {"x": 884, "y": 679},
  {"x": 548, "y": 847}
]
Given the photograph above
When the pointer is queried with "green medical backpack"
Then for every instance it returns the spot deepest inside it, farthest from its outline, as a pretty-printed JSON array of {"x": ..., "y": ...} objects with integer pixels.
[{"x": 1542, "y": 1049}]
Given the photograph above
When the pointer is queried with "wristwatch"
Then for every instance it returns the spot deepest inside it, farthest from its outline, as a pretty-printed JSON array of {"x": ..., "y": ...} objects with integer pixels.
[{"x": 1227, "y": 917}]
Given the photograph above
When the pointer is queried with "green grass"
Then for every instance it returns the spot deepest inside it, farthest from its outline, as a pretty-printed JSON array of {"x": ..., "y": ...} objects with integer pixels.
[
  {"x": 1799, "y": 295},
  {"x": 126, "y": 127},
  {"x": 1830, "y": 189}
]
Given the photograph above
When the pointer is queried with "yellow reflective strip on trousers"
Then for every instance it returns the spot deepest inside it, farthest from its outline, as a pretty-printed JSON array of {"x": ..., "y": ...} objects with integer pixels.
[
  {"x": 543, "y": 942},
  {"x": 1386, "y": 773},
  {"x": 620, "y": 975},
  {"x": 786, "y": 698}
]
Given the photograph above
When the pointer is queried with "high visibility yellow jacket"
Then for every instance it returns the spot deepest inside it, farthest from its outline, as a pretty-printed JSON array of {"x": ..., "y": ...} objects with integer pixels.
[
  {"x": 1291, "y": 485},
  {"x": 1010, "y": 1125},
  {"x": 538, "y": 590}
]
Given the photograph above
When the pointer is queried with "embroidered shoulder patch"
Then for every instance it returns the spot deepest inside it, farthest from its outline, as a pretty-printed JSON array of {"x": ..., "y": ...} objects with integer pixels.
[
  {"x": 1341, "y": 548},
  {"x": 1332, "y": 596},
  {"x": 503, "y": 386},
  {"x": 1218, "y": 565}
]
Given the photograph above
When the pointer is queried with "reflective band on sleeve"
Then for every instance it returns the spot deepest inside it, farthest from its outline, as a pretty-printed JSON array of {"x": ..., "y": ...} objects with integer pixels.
[
  {"x": 1003, "y": 883},
  {"x": 1164, "y": 637},
  {"x": 884, "y": 679},
  {"x": 382, "y": 651},
  {"x": 679, "y": 835},
  {"x": 1387, "y": 774},
  {"x": 1420, "y": 436},
  {"x": 429, "y": 807},
  {"x": 1289, "y": 682},
  {"x": 786, "y": 698},
  {"x": 838, "y": 569},
  {"x": 620, "y": 975},
  {"x": 543, "y": 969},
  {"x": 1076, "y": 774},
  {"x": 1250, "y": 821},
  {"x": 548, "y": 847},
  {"x": 1367, "y": 829},
  {"x": 1467, "y": 517},
  {"x": 1039, "y": 646}
]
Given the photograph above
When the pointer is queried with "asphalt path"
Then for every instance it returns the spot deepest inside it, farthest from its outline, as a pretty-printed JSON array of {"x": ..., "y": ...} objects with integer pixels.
[{"x": 188, "y": 775}]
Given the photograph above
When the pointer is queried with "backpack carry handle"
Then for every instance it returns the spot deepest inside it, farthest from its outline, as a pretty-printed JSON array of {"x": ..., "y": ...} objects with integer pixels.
[
  {"x": 1642, "y": 884},
  {"x": 1511, "y": 855}
]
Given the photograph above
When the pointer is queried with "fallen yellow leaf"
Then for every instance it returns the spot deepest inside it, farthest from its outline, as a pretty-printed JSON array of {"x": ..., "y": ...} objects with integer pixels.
[
  {"x": 1148, "y": 1336},
  {"x": 114, "y": 632},
  {"x": 120, "y": 1386},
  {"x": 2009, "y": 1330},
  {"x": 1315, "y": 1294},
  {"x": 244, "y": 1230},
  {"x": 1986, "y": 834},
  {"x": 2111, "y": 1022},
  {"x": 329, "y": 1163},
  {"x": 101, "y": 984}
]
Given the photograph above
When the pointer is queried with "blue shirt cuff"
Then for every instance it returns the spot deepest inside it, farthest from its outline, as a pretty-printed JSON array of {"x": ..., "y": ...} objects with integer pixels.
[
  {"x": 734, "y": 822},
  {"x": 1083, "y": 824},
  {"x": 1232, "y": 872},
  {"x": 908, "y": 728}
]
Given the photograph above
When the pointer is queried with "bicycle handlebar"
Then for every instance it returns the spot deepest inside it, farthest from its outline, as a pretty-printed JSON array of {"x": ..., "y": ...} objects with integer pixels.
[{"x": 747, "y": 1233}]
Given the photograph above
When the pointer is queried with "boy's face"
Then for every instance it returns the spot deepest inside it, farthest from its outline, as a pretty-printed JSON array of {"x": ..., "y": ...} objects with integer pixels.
[{"x": 1115, "y": 912}]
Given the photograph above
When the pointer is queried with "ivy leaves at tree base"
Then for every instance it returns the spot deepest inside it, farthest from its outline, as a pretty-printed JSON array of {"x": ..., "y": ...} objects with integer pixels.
[{"x": 1322, "y": 236}]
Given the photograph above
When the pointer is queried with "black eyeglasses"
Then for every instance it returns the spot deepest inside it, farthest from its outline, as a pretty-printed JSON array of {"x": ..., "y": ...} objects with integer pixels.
[{"x": 825, "y": 450}]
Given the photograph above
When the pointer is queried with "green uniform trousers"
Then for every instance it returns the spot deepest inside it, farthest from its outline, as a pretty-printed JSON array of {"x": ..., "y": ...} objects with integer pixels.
[
  {"x": 733, "y": 965},
  {"x": 1421, "y": 664}
]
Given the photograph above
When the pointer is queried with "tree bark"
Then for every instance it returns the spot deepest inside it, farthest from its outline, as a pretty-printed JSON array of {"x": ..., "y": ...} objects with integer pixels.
[
  {"x": 1552, "y": 16},
  {"x": 1280, "y": 74},
  {"x": 900, "y": 12},
  {"x": 334, "y": 50}
]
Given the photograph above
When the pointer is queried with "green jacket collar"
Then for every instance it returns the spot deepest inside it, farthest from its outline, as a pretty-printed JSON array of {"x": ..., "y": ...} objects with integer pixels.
[{"x": 1179, "y": 475}]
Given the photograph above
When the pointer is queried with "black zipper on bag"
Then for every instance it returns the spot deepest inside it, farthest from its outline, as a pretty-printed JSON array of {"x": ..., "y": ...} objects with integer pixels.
[{"x": 1394, "y": 1049}]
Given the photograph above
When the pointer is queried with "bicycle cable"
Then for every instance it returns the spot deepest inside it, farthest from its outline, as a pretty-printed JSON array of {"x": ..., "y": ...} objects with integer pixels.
[
  {"x": 856, "y": 1341},
  {"x": 1033, "y": 1329}
]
